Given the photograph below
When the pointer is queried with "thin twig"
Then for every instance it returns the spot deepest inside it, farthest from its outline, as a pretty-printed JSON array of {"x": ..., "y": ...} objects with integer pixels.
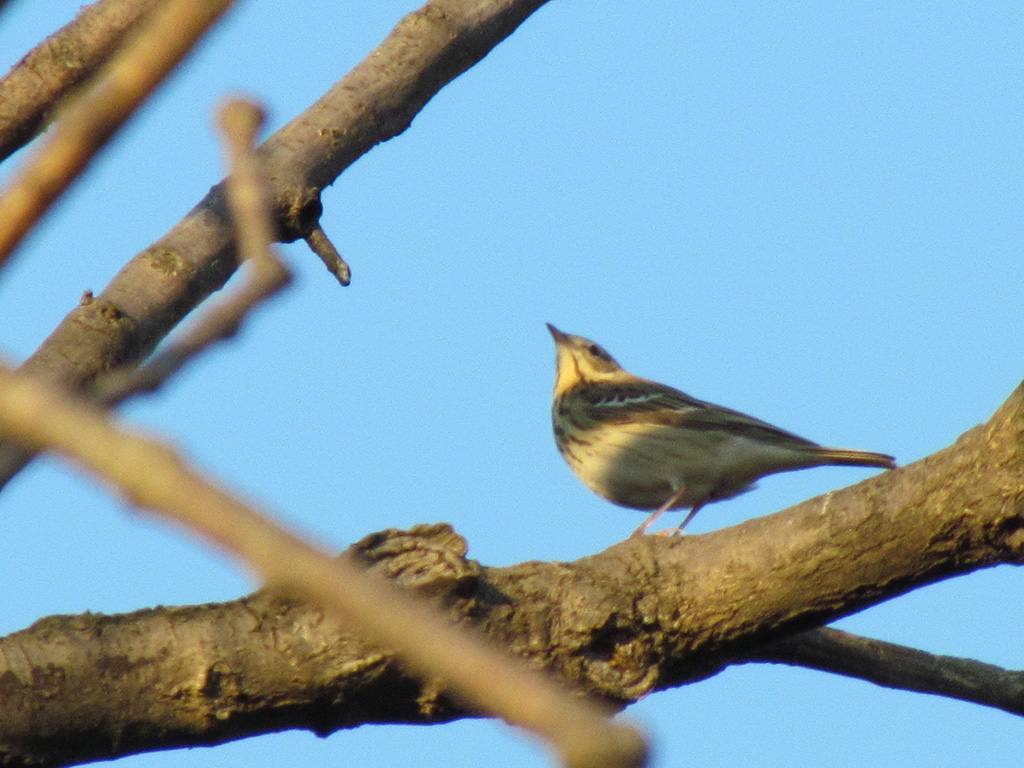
[
  {"x": 154, "y": 477},
  {"x": 239, "y": 121},
  {"x": 897, "y": 666},
  {"x": 91, "y": 120},
  {"x": 322, "y": 246}
]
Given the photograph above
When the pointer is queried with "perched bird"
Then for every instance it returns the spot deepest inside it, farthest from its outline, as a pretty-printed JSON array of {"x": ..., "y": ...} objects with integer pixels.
[{"x": 645, "y": 445}]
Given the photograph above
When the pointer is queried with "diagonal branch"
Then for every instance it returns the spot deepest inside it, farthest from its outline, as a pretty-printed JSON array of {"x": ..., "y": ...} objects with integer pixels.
[
  {"x": 163, "y": 41},
  {"x": 37, "y": 85},
  {"x": 267, "y": 274},
  {"x": 374, "y": 102}
]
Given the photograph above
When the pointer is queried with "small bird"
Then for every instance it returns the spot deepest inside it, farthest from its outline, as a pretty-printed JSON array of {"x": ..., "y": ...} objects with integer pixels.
[{"x": 645, "y": 445}]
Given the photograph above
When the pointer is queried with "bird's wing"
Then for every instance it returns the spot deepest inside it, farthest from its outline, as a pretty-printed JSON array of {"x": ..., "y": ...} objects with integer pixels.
[{"x": 654, "y": 403}]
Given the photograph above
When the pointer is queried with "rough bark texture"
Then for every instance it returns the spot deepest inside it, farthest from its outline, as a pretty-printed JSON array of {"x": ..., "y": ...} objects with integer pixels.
[
  {"x": 36, "y": 86},
  {"x": 644, "y": 615}
]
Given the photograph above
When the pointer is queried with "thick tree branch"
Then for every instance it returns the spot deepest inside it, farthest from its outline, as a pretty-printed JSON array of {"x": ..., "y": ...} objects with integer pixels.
[
  {"x": 642, "y": 616},
  {"x": 38, "y": 84},
  {"x": 374, "y": 102}
]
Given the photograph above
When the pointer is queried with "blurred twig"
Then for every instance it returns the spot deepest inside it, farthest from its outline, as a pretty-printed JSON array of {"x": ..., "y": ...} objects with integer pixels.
[
  {"x": 239, "y": 121},
  {"x": 154, "y": 477},
  {"x": 167, "y": 36},
  {"x": 31, "y": 92}
]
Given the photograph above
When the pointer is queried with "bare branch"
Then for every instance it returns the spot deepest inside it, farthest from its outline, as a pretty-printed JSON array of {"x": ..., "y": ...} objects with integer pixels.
[
  {"x": 87, "y": 124},
  {"x": 374, "y": 102},
  {"x": 37, "y": 85},
  {"x": 240, "y": 121},
  {"x": 897, "y": 666},
  {"x": 156, "y": 478}
]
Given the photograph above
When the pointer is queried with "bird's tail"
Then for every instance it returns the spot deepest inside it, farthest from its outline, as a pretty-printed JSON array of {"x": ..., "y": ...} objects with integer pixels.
[{"x": 849, "y": 457}]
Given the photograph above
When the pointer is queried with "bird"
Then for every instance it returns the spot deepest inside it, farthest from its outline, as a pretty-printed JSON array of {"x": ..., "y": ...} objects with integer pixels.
[{"x": 649, "y": 446}]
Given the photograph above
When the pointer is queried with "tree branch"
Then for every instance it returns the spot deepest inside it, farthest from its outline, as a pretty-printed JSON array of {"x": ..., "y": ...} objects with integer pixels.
[
  {"x": 267, "y": 274},
  {"x": 374, "y": 102},
  {"x": 38, "y": 84},
  {"x": 896, "y": 666},
  {"x": 130, "y": 77},
  {"x": 644, "y": 615}
]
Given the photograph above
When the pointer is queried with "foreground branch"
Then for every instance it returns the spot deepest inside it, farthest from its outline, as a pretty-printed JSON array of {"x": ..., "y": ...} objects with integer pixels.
[
  {"x": 131, "y": 76},
  {"x": 156, "y": 478},
  {"x": 267, "y": 274}
]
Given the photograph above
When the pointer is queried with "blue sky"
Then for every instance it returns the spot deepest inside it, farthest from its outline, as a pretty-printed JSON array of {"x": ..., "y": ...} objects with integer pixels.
[{"x": 810, "y": 213}]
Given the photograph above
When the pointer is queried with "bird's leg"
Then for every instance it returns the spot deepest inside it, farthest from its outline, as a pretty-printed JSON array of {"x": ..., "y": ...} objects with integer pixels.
[
  {"x": 671, "y": 502},
  {"x": 689, "y": 517},
  {"x": 642, "y": 528}
]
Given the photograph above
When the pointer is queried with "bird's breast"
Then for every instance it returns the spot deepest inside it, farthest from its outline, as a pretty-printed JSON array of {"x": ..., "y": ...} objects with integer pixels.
[{"x": 641, "y": 465}]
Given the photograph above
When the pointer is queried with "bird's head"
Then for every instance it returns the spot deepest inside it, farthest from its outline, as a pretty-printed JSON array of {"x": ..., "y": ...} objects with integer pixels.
[{"x": 579, "y": 360}]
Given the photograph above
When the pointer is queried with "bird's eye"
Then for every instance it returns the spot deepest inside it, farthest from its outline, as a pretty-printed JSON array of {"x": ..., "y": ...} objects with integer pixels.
[{"x": 596, "y": 351}]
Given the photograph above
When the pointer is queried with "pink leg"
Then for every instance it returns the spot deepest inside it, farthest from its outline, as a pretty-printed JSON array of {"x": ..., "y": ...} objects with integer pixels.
[
  {"x": 672, "y": 500},
  {"x": 642, "y": 528}
]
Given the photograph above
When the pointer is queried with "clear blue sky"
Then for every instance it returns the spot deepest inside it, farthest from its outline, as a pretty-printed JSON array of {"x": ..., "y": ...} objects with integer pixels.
[{"x": 808, "y": 212}]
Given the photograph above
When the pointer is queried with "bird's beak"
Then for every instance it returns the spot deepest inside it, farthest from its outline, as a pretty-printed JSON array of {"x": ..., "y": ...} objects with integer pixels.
[{"x": 556, "y": 334}]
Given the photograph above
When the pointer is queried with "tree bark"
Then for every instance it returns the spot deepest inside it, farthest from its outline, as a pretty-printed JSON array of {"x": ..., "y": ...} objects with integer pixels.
[{"x": 34, "y": 89}]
